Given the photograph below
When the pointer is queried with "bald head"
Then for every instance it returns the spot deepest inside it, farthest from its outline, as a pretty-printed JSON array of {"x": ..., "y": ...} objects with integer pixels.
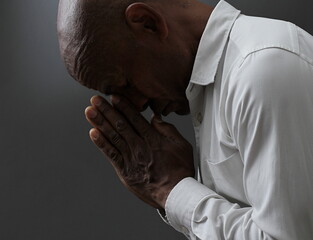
[
  {"x": 85, "y": 28},
  {"x": 91, "y": 31},
  {"x": 140, "y": 49}
]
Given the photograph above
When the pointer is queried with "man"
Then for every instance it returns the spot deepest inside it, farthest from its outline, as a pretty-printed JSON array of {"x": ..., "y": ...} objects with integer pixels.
[{"x": 248, "y": 84}]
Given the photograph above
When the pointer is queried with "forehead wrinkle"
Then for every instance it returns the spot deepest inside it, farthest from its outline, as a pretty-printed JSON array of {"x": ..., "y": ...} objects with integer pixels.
[
  {"x": 81, "y": 59},
  {"x": 90, "y": 56},
  {"x": 85, "y": 76},
  {"x": 86, "y": 30}
]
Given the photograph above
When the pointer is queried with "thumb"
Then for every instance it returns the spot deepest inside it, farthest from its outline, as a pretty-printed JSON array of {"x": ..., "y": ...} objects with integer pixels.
[{"x": 166, "y": 129}]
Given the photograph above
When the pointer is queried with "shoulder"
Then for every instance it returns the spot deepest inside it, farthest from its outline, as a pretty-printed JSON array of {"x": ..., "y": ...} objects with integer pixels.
[
  {"x": 270, "y": 87},
  {"x": 275, "y": 56},
  {"x": 271, "y": 78},
  {"x": 251, "y": 34}
]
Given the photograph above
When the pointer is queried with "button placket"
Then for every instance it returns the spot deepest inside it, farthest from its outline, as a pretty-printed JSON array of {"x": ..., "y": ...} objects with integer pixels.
[{"x": 195, "y": 97}]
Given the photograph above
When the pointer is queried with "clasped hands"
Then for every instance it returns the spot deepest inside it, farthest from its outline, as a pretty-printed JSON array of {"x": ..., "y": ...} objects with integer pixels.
[{"x": 149, "y": 158}]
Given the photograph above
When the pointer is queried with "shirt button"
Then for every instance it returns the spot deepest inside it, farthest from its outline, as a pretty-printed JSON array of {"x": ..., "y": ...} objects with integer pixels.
[{"x": 199, "y": 117}]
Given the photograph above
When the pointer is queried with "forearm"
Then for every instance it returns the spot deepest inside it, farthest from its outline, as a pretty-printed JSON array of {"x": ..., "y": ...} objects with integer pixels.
[{"x": 200, "y": 213}]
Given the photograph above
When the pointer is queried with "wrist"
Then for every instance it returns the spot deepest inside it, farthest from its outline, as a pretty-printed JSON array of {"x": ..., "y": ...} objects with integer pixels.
[{"x": 165, "y": 192}]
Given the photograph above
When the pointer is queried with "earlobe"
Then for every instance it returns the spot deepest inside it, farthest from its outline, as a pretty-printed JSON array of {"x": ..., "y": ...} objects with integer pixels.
[{"x": 144, "y": 20}]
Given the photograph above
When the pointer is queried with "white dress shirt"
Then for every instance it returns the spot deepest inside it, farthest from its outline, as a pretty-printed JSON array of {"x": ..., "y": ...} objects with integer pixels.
[{"x": 251, "y": 100}]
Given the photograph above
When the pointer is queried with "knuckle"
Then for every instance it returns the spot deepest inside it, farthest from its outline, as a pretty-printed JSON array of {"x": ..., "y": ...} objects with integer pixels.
[
  {"x": 115, "y": 137},
  {"x": 105, "y": 108},
  {"x": 113, "y": 155},
  {"x": 135, "y": 117},
  {"x": 120, "y": 125},
  {"x": 102, "y": 145},
  {"x": 99, "y": 142}
]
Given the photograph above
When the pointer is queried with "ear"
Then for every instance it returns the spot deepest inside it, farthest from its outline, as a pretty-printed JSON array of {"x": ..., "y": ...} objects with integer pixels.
[{"x": 145, "y": 21}]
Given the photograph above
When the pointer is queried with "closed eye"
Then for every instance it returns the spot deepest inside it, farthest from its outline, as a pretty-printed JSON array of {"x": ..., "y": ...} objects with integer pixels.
[{"x": 109, "y": 90}]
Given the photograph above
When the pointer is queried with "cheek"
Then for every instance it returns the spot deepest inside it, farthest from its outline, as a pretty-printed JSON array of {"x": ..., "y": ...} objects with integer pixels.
[
  {"x": 155, "y": 85},
  {"x": 149, "y": 87}
]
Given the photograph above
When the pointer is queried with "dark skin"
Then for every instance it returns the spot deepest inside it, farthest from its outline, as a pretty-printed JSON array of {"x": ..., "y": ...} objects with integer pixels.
[
  {"x": 147, "y": 157},
  {"x": 150, "y": 158}
]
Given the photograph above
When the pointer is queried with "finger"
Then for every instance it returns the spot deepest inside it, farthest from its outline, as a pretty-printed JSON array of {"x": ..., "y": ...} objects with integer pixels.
[
  {"x": 116, "y": 160},
  {"x": 140, "y": 124},
  {"x": 97, "y": 120},
  {"x": 106, "y": 148},
  {"x": 117, "y": 120},
  {"x": 166, "y": 129}
]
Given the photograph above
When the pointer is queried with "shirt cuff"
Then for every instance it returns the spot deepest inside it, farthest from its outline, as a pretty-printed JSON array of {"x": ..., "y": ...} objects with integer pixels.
[{"x": 182, "y": 201}]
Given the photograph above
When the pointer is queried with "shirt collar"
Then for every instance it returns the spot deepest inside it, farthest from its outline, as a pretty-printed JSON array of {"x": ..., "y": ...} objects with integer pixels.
[{"x": 212, "y": 43}]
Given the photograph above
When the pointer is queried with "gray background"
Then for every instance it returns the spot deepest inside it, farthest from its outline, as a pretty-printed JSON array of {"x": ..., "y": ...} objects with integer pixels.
[{"x": 54, "y": 183}]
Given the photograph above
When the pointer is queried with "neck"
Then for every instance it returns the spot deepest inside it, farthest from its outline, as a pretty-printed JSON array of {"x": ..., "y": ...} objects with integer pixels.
[
  {"x": 186, "y": 23},
  {"x": 190, "y": 22},
  {"x": 195, "y": 24}
]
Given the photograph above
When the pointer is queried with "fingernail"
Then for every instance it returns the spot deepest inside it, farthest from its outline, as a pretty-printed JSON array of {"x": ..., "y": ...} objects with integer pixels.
[
  {"x": 94, "y": 134},
  {"x": 91, "y": 113},
  {"x": 96, "y": 101}
]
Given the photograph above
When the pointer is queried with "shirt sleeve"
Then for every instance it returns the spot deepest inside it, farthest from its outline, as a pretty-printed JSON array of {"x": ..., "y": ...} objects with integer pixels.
[{"x": 269, "y": 113}]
